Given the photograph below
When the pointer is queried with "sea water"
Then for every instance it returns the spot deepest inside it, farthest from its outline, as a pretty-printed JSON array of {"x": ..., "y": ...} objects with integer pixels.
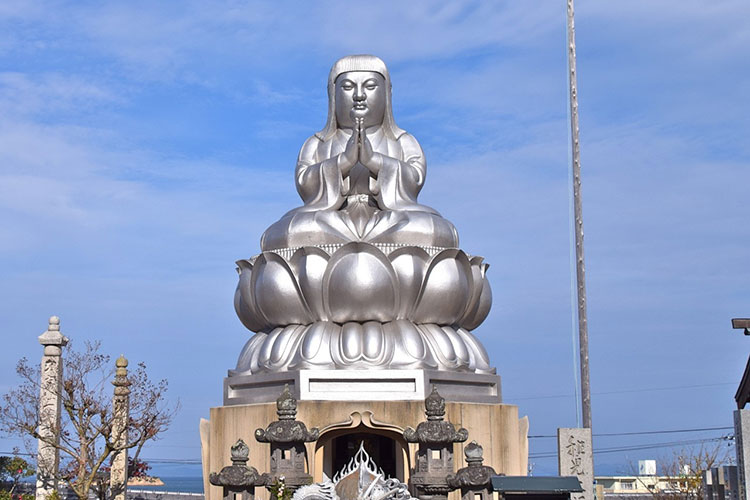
[{"x": 177, "y": 484}]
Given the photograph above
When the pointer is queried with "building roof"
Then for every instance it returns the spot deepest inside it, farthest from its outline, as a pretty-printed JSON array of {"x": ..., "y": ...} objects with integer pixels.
[{"x": 743, "y": 391}]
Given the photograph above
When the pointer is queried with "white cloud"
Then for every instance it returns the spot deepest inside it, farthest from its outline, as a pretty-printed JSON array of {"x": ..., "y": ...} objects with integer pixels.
[{"x": 24, "y": 93}]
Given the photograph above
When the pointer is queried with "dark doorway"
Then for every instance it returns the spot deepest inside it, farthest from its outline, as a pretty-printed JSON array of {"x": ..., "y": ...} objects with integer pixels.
[{"x": 381, "y": 449}]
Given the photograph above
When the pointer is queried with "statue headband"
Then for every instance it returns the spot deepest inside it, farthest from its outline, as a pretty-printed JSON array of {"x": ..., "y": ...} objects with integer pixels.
[{"x": 361, "y": 62}]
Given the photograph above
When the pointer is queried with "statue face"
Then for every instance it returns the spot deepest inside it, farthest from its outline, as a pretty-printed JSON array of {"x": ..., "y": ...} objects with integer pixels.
[{"x": 360, "y": 94}]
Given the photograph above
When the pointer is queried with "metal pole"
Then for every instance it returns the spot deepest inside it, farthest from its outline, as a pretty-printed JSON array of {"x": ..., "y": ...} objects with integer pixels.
[{"x": 583, "y": 334}]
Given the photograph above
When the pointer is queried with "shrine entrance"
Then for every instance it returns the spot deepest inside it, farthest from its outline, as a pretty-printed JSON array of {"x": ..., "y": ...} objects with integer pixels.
[
  {"x": 381, "y": 449},
  {"x": 387, "y": 449}
]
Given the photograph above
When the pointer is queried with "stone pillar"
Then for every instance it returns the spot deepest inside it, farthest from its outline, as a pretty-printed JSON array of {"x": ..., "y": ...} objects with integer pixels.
[
  {"x": 474, "y": 480},
  {"x": 239, "y": 478},
  {"x": 287, "y": 437},
  {"x": 576, "y": 458},
  {"x": 434, "y": 459},
  {"x": 50, "y": 396},
  {"x": 742, "y": 447},
  {"x": 118, "y": 479}
]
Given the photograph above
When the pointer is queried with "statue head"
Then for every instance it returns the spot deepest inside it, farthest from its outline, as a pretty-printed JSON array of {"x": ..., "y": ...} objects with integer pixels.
[{"x": 349, "y": 77}]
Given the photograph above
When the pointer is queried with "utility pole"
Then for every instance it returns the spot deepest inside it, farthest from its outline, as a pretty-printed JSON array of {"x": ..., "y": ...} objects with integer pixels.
[{"x": 583, "y": 333}]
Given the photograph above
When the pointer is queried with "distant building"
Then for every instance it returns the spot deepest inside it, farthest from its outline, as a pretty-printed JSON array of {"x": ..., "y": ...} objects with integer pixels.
[
  {"x": 645, "y": 486},
  {"x": 646, "y": 467},
  {"x": 719, "y": 483}
]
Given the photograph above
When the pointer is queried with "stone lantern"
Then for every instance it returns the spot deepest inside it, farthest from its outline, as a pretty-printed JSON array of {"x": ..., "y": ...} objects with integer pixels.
[
  {"x": 475, "y": 480},
  {"x": 239, "y": 477},
  {"x": 435, "y": 454},
  {"x": 287, "y": 437}
]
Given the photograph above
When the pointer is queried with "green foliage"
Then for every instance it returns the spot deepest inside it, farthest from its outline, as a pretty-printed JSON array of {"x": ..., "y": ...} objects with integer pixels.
[
  {"x": 13, "y": 469},
  {"x": 54, "y": 496},
  {"x": 17, "y": 468},
  {"x": 279, "y": 491},
  {"x": 7, "y": 495}
]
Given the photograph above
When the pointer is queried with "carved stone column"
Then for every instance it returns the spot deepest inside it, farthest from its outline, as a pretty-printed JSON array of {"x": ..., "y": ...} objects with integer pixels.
[
  {"x": 239, "y": 477},
  {"x": 287, "y": 437},
  {"x": 474, "y": 480},
  {"x": 434, "y": 461},
  {"x": 118, "y": 478},
  {"x": 48, "y": 456}
]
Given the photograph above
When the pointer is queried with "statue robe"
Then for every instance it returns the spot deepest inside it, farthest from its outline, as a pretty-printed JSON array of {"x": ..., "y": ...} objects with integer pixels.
[{"x": 360, "y": 206}]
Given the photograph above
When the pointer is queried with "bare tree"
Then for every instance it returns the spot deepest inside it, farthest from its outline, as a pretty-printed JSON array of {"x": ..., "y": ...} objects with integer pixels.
[
  {"x": 87, "y": 441},
  {"x": 680, "y": 477}
]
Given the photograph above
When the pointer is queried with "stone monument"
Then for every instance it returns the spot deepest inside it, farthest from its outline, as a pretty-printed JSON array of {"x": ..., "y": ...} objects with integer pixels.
[
  {"x": 575, "y": 458},
  {"x": 361, "y": 301},
  {"x": 118, "y": 478},
  {"x": 50, "y": 398}
]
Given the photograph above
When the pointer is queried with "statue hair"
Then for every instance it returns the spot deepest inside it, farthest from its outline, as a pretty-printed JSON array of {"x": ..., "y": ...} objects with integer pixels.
[{"x": 361, "y": 62}]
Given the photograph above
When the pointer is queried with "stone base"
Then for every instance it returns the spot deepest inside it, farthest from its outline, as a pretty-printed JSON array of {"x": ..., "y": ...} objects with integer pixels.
[
  {"x": 351, "y": 385},
  {"x": 495, "y": 426}
]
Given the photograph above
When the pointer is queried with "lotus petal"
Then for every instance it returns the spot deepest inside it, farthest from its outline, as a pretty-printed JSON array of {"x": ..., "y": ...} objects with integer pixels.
[
  {"x": 314, "y": 349},
  {"x": 266, "y": 348},
  {"x": 309, "y": 265},
  {"x": 480, "y": 361},
  {"x": 284, "y": 345},
  {"x": 410, "y": 264},
  {"x": 481, "y": 309},
  {"x": 477, "y": 275},
  {"x": 481, "y": 296},
  {"x": 244, "y": 301},
  {"x": 440, "y": 345},
  {"x": 248, "y": 360},
  {"x": 350, "y": 343},
  {"x": 459, "y": 347},
  {"x": 375, "y": 343},
  {"x": 409, "y": 350},
  {"x": 360, "y": 285},
  {"x": 446, "y": 289},
  {"x": 244, "y": 311},
  {"x": 276, "y": 292}
]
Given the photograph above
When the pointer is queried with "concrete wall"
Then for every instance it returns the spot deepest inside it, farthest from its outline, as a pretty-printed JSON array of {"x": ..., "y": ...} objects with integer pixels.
[{"x": 495, "y": 426}]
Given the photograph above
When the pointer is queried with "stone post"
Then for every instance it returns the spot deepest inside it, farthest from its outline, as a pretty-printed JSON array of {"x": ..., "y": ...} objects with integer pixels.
[
  {"x": 50, "y": 396},
  {"x": 474, "y": 480},
  {"x": 434, "y": 460},
  {"x": 288, "y": 437},
  {"x": 118, "y": 479},
  {"x": 575, "y": 456},
  {"x": 239, "y": 478},
  {"x": 742, "y": 447}
]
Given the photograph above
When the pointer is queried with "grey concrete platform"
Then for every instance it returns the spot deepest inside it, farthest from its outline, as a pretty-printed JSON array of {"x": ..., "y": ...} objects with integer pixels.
[{"x": 362, "y": 385}]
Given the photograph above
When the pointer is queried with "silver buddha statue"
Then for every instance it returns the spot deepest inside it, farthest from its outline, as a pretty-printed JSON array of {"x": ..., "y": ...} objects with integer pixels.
[
  {"x": 359, "y": 177},
  {"x": 361, "y": 276}
]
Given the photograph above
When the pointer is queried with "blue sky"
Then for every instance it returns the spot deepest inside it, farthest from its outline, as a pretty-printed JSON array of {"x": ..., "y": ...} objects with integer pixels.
[{"x": 144, "y": 148}]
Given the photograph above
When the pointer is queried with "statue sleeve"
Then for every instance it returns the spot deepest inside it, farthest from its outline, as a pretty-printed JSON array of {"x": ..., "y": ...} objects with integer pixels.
[
  {"x": 414, "y": 157},
  {"x": 319, "y": 183},
  {"x": 400, "y": 180}
]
